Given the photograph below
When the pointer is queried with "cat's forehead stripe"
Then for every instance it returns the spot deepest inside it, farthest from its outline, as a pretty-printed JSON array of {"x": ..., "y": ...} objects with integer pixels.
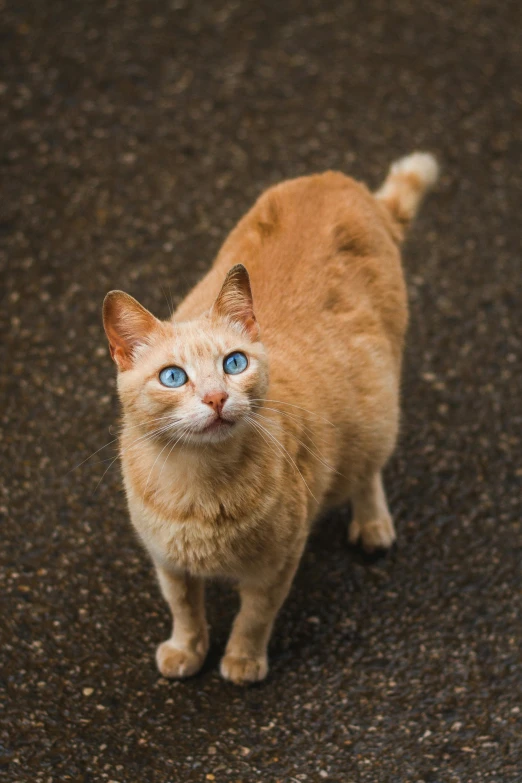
[{"x": 192, "y": 343}]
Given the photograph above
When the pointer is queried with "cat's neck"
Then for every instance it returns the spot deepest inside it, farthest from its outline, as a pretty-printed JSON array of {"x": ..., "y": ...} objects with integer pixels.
[{"x": 188, "y": 478}]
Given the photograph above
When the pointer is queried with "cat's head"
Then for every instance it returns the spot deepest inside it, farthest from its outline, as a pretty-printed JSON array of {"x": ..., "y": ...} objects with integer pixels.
[{"x": 196, "y": 381}]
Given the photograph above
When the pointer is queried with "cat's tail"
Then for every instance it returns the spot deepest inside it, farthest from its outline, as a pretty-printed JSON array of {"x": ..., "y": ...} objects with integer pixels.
[{"x": 406, "y": 184}]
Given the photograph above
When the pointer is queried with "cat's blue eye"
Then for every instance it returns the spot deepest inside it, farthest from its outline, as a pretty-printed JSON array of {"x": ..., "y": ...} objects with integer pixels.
[
  {"x": 173, "y": 377},
  {"x": 235, "y": 363}
]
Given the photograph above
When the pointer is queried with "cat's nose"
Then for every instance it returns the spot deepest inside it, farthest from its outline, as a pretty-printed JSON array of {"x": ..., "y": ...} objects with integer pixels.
[{"x": 216, "y": 400}]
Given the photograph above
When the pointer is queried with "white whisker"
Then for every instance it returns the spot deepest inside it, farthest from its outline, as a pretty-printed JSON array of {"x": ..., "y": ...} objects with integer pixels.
[
  {"x": 160, "y": 418},
  {"x": 299, "y": 407},
  {"x": 105, "y": 473},
  {"x": 298, "y": 419},
  {"x": 152, "y": 467},
  {"x": 173, "y": 446},
  {"x": 318, "y": 456},
  {"x": 146, "y": 436},
  {"x": 256, "y": 424}
]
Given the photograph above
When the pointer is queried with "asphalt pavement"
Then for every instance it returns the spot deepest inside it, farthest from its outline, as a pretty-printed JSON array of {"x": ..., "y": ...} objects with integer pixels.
[{"x": 133, "y": 136}]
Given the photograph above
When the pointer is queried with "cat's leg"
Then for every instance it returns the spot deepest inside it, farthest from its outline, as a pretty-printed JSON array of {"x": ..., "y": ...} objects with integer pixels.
[
  {"x": 371, "y": 524},
  {"x": 184, "y": 653},
  {"x": 245, "y": 658}
]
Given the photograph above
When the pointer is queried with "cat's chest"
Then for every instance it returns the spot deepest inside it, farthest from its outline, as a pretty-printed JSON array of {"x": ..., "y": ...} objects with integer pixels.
[
  {"x": 205, "y": 540},
  {"x": 187, "y": 545}
]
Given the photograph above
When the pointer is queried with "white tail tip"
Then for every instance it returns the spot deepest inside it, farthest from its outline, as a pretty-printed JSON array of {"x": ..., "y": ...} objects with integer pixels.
[
  {"x": 422, "y": 164},
  {"x": 408, "y": 180}
]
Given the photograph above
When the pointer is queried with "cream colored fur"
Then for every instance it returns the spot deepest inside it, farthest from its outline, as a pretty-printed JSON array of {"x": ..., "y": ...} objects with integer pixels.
[{"x": 233, "y": 492}]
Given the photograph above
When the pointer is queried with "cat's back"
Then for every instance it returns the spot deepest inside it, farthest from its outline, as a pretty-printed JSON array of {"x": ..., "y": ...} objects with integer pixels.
[{"x": 320, "y": 251}]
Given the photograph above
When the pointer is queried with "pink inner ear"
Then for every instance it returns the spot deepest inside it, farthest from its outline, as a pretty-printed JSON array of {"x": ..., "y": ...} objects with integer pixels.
[
  {"x": 121, "y": 352},
  {"x": 252, "y": 327},
  {"x": 235, "y": 301},
  {"x": 127, "y": 324}
]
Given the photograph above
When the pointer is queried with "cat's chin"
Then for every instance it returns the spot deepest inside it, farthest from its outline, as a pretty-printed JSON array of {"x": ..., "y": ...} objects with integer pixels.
[{"x": 216, "y": 432}]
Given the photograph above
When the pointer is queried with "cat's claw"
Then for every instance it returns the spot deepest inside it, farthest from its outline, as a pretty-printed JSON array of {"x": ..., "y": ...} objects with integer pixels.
[
  {"x": 375, "y": 535},
  {"x": 176, "y": 663},
  {"x": 243, "y": 671}
]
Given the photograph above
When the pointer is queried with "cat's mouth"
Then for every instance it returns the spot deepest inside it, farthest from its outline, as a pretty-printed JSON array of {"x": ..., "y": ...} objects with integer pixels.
[{"x": 217, "y": 424}]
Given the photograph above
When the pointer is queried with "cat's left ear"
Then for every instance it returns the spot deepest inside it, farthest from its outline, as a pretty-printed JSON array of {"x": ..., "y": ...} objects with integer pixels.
[
  {"x": 127, "y": 326},
  {"x": 235, "y": 301}
]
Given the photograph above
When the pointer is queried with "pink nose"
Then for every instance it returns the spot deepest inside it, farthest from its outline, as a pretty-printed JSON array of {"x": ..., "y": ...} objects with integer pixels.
[{"x": 216, "y": 400}]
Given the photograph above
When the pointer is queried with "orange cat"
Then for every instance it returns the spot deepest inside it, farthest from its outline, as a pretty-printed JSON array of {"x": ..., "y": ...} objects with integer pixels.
[{"x": 271, "y": 396}]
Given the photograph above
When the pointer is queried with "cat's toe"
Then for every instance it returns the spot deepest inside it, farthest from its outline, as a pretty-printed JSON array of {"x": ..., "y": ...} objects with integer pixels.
[
  {"x": 243, "y": 671},
  {"x": 176, "y": 663},
  {"x": 378, "y": 534}
]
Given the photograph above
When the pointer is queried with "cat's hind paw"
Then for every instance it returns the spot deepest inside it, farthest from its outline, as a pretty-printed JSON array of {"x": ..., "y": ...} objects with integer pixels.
[
  {"x": 176, "y": 663},
  {"x": 379, "y": 534},
  {"x": 244, "y": 671}
]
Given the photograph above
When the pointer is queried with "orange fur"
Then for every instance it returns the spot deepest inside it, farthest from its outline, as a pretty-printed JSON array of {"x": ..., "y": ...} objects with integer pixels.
[{"x": 308, "y": 425}]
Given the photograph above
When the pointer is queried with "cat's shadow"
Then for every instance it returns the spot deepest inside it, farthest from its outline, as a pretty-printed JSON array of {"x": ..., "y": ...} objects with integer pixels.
[{"x": 330, "y": 576}]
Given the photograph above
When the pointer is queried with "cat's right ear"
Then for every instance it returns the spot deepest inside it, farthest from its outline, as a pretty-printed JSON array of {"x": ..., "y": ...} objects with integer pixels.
[{"x": 127, "y": 325}]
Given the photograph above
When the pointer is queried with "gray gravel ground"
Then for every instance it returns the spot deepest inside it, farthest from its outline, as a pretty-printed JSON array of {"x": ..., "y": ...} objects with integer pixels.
[{"x": 134, "y": 135}]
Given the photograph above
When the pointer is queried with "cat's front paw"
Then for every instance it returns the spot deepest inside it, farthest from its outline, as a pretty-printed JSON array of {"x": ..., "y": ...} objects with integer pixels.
[
  {"x": 177, "y": 663},
  {"x": 374, "y": 535},
  {"x": 243, "y": 670}
]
